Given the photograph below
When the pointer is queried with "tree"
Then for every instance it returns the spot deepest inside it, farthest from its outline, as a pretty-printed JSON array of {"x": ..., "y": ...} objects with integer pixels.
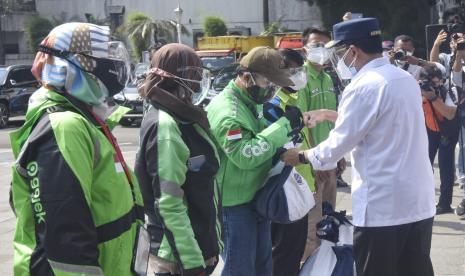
[
  {"x": 396, "y": 16},
  {"x": 214, "y": 26},
  {"x": 141, "y": 29},
  {"x": 36, "y": 29},
  {"x": 275, "y": 27}
]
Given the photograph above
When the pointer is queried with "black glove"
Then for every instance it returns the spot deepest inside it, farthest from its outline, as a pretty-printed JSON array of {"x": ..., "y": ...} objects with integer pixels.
[
  {"x": 294, "y": 116},
  {"x": 272, "y": 112}
]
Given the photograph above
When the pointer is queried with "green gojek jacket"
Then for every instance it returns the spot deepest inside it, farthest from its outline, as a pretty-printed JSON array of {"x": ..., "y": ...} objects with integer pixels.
[
  {"x": 282, "y": 100},
  {"x": 77, "y": 213},
  {"x": 176, "y": 166},
  {"x": 247, "y": 144}
]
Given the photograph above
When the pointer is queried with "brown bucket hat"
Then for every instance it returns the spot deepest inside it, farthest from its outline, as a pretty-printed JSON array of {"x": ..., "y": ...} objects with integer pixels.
[{"x": 268, "y": 62}]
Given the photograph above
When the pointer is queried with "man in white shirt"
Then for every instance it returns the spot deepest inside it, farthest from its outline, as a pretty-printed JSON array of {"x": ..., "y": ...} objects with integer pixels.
[
  {"x": 402, "y": 56},
  {"x": 381, "y": 122}
]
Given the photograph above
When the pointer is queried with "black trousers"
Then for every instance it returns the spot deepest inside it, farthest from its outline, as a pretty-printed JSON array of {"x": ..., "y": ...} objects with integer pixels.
[
  {"x": 445, "y": 147},
  {"x": 401, "y": 250},
  {"x": 288, "y": 246}
]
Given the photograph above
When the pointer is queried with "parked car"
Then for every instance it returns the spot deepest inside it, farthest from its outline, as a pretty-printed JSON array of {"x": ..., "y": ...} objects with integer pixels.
[
  {"x": 129, "y": 97},
  {"x": 220, "y": 81},
  {"x": 16, "y": 86}
]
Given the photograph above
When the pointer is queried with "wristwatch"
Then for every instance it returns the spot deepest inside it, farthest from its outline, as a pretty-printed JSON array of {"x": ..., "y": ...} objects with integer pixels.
[{"x": 303, "y": 158}]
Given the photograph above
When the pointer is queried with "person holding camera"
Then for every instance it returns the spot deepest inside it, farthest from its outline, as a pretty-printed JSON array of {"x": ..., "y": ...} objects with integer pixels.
[
  {"x": 440, "y": 106},
  {"x": 456, "y": 41},
  {"x": 457, "y": 81},
  {"x": 402, "y": 56},
  {"x": 454, "y": 59}
]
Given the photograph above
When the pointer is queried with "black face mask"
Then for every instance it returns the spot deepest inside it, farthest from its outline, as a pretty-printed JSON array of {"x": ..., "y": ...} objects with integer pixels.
[
  {"x": 109, "y": 71},
  {"x": 261, "y": 95}
]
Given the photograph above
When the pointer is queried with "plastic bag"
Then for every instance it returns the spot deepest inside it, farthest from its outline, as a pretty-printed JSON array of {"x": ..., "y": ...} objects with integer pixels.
[{"x": 321, "y": 263}]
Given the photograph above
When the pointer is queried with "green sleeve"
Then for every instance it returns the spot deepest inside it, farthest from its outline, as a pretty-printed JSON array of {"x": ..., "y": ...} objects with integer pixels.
[
  {"x": 172, "y": 159},
  {"x": 249, "y": 150}
]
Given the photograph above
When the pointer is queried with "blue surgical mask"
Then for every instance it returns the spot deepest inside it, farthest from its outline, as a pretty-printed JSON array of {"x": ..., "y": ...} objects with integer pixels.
[{"x": 346, "y": 72}]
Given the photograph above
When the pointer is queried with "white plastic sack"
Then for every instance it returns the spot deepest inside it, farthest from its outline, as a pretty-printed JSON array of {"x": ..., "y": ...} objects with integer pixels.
[
  {"x": 346, "y": 234},
  {"x": 321, "y": 263},
  {"x": 299, "y": 197}
]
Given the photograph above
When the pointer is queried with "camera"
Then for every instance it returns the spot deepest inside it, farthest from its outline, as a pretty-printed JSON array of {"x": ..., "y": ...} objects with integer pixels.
[
  {"x": 426, "y": 85},
  {"x": 452, "y": 31},
  {"x": 399, "y": 54}
]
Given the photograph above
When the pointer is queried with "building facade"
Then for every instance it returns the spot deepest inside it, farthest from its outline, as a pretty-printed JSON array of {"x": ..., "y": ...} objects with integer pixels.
[{"x": 241, "y": 16}]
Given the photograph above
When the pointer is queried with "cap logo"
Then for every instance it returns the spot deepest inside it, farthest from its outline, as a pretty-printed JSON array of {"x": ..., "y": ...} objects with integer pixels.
[{"x": 373, "y": 33}]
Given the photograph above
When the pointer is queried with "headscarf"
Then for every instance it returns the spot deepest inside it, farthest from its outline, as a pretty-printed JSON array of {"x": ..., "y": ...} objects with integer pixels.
[
  {"x": 163, "y": 90},
  {"x": 61, "y": 75}
]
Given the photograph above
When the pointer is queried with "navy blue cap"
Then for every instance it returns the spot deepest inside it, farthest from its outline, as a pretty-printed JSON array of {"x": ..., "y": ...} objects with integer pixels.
[{"x": 354, "y": 29}]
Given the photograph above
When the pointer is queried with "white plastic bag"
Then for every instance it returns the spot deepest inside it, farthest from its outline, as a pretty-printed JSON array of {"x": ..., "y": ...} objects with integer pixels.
[
  {"x": 321, "y": 263},
  {"x": 346, "y": 234}
]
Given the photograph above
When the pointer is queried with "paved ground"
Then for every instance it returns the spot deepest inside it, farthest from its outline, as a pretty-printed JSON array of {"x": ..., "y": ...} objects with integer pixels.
[{"x": 448, "y": 248}]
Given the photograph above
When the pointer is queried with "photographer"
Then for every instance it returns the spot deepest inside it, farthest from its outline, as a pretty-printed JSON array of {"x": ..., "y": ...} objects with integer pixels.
[
  {"x": 440, "y": 106},
  {"x": 457, "y": 80},
  {"x": 402, "y": 56},
  {"x": 456, "y": 40}
]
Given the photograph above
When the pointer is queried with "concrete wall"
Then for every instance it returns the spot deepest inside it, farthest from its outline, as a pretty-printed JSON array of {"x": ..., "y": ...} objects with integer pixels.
[
  {"x": 249, "y": 13},
  {"x": 295, "y": 14}
]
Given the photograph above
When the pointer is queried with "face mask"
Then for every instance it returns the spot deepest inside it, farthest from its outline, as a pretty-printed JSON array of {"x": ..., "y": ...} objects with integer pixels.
[
  {"x": 346, "y": 72},
  {"x": 318, "y": 55},
  {"x": 259, "y": 94},
  {"x": 299, "y": 78}
]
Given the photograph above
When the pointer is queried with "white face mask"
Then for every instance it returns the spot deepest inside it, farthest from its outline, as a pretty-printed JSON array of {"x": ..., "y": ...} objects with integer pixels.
[
  {"x": 318, "y": 55},
  {"x": 346, "y": 72},
  {"x": 299, "y": 78}
]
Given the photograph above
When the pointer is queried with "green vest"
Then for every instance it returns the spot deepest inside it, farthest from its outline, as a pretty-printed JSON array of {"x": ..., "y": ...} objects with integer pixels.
[
  {"x": 90, "y": 156},
  {"x": 305, "y": 170},
  {"x": 318, "y": 94}
]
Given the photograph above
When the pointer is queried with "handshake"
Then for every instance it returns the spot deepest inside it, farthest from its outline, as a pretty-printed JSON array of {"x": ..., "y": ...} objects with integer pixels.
[
  {"x": 313, "y": 118},
  {"x": 297, "y": 119}
]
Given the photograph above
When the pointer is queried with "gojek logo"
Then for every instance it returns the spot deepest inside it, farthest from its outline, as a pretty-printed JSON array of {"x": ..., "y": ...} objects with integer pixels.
[{"x": 32, "y": 169}]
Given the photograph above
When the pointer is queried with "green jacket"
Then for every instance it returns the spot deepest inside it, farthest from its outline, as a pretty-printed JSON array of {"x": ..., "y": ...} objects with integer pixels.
[
  {"x": 176, "y": 167},
  {"x": 305, "y": 170},
  {"x": 247, "y": 145},
  {"x": 318, "y": 94},
  {"x": 77, "y": 213}
]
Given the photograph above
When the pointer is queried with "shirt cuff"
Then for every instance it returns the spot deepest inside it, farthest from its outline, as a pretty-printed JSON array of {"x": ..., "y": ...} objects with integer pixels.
[{"x": 317, "y": 164}]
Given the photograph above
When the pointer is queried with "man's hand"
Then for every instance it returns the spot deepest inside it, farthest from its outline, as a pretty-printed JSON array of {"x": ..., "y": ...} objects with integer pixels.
[
  {"x": 291, "y": 157},
  {"x": 341, "y": 166},
  {"x": 312, "y": 118},
  {"x": 411, "y": 60},
  {"x": 429, "y": 95},
  {"x": 442, "y": 36},
  {"x": 347, "y": 16}
]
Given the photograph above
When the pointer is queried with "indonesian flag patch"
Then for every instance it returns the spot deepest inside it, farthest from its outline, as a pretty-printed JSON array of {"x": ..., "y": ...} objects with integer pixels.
[{"x": 234, "y": 134}]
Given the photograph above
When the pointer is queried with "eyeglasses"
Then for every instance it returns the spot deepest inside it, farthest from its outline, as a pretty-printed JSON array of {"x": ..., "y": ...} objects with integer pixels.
[{"x": 262, "y": 81}]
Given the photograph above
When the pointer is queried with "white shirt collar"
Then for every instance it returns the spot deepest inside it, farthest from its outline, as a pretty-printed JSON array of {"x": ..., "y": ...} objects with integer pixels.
[{"x": 377, "y": 62}]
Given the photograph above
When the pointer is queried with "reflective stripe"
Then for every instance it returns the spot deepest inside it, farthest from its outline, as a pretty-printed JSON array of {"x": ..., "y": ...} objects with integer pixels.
[
  {"x": 171, "y": 188},
  {"x": 114, "y": 229},
  {"x": 73, "y": 268}
]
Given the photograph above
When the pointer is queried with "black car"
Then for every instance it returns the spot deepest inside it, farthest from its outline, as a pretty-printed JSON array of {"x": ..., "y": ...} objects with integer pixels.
[
  {"x": 16, "y": 86},
  {"x": 130, "y": 98}
]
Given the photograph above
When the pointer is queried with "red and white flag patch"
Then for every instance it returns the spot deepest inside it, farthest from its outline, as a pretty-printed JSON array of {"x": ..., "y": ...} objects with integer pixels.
[{"x": 234, "y": 135}]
